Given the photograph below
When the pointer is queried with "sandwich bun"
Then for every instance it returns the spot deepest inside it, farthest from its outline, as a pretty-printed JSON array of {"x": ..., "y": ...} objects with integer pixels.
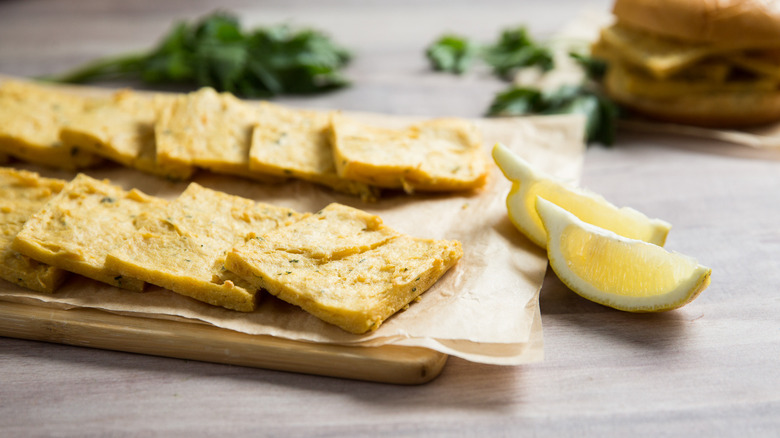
[
  {"x": 726, "y": 109},
  {"x": 738, "y": 22},
  {"x": 664, "y": 43}
]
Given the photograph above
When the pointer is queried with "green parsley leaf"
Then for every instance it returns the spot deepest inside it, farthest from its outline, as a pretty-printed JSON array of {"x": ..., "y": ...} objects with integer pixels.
[
  {"x": 515, "y": 49},
  {"x": 516, "y": 101},
  {"x": 600, "y": 112},
  {"x": 594, "y": 68},
  {"x": 452, "y": 53},
  {"x": 215, "y": 52}
]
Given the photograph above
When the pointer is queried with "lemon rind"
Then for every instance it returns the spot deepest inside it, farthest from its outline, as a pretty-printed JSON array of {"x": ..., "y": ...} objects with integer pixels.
[
  {"x": 685, "y": 292},
  {"x": 517, "y": 169}
]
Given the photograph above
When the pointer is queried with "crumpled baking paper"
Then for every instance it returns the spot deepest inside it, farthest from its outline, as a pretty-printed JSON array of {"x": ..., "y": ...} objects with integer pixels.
[{"x": 485, "y": 309}]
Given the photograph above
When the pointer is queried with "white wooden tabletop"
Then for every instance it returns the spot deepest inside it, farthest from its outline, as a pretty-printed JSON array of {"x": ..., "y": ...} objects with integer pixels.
[{"x": 708, "y": 369}]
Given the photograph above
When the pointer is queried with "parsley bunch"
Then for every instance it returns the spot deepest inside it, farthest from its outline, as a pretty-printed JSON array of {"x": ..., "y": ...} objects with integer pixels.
[
  {"x": 586, "y": 99},
  {"x": 601, "y": 113},
  {"x": 215, "y": 52},
  {"x": 515, "y": 50},
  {"x": 452, "y": 53}
]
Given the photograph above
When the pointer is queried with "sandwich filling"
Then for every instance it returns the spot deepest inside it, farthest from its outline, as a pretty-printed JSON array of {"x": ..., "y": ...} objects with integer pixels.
[{"x": 649, "y": 65}]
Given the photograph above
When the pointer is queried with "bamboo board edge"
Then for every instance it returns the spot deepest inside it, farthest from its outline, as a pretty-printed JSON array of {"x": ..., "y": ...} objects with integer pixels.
[{"x": 182, "y": 340}]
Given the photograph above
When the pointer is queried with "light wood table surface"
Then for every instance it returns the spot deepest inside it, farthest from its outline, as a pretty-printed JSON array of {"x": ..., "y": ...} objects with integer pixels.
[{"x": 709, "y": 369}]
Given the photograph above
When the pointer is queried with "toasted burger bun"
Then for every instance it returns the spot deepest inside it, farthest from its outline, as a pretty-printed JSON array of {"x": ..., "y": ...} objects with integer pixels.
[
  {"x": 726, "y": 30},
  {"x": 738, "y": 22},
  {"x": 728, "y": 109}
]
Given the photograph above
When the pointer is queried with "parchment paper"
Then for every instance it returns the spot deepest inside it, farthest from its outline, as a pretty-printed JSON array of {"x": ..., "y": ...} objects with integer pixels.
[{"x": 485, "y": 309}]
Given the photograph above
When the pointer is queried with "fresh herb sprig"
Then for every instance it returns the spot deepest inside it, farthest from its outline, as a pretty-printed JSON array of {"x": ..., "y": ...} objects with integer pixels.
[
  {"x": 452, "y": 54},
  {"x": 600, "y": 112},
  {"x": 585, "y": 98},
  {"x": 515, "y": 49},
  {"x": 216, "y": 52},
  {"x": 594, "y": 68}
]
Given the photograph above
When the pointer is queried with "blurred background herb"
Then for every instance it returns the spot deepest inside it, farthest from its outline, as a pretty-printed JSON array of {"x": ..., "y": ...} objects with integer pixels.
[
  {"x": 215, "y": 52},
  {"x": 452, "y": 54},
  {"x": 600, "y": 113},
  {"x": 516, "y": 50}
]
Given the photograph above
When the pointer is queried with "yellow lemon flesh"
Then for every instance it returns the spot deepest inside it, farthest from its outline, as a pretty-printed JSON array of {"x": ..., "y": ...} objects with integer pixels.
[
  {"x": 615, "y": 271},
  {"x": 528, "y": 183}
]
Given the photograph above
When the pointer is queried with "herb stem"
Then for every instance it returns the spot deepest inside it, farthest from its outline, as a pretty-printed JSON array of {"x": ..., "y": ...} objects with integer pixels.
[{"x": 110, "y": 67}]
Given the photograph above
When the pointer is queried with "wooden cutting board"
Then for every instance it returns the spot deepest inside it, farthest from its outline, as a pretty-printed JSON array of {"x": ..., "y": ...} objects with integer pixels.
[{"x": 195, "y": 341}]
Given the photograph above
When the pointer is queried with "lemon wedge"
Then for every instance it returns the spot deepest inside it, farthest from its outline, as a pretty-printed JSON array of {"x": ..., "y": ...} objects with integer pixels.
[
  {"x": 626, "y": 274},
  {"x": 528, "y": 183}
]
